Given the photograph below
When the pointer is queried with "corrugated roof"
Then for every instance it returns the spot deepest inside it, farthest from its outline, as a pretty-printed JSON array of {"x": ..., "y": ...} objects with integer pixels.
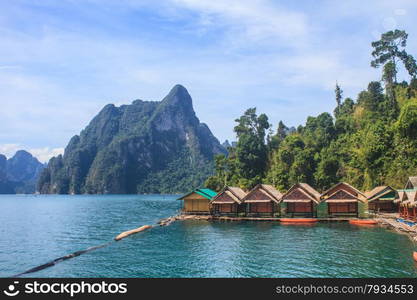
[
  {"x": 330, "y": 200},
  {"x": 413, "y": 181},
  {"x": 236, "y": 193},
  {"x": 206, "y": 193},
  {"x": 378, "y": 192},
  {"x": 411, "y": 195},
  {"x": 401, "y": 195},
  {"x": 306, "y": 189},
  {"x": 362, "y": 195},
  {"x": 311, "y": 191},
  {"x": 375, "y": 191},
  {"x": 270, "y": 192}
]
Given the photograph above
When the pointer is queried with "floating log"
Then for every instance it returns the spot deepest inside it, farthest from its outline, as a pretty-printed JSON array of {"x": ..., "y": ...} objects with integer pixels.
[
  {"x": 298, "y": 220},
  {"x": 363, "y": 222},
  {"x": 130, "y": 232}
]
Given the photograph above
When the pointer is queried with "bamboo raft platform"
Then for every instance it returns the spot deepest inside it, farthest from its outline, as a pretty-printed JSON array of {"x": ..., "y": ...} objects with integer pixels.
[
  {"x": 388, "y": 221},
  {"x": 236, "y": 219},
  {"x": 385, "y": 220}
]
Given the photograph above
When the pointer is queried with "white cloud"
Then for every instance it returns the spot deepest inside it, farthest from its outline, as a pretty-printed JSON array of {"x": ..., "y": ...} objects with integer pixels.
[
  {"x": 46, "y": 153},
  {"x": 57, "y": 74},
  {"x": 250, "y": 20},
  {"x": 42, "y": 154},
  {"x": 9, "y": 149},
  {"x": 323, "y": 69}
]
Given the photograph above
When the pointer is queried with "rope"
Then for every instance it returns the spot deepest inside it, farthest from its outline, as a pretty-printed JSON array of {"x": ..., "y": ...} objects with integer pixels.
[{"x": 162, "y": 222}]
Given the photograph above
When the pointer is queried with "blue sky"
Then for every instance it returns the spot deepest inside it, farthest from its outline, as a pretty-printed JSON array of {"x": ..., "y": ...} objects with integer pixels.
[{"x": 62, "y": 61}]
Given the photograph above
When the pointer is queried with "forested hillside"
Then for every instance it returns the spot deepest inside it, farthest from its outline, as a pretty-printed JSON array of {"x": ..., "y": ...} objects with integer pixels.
[
  {"x": 367, "y": 141},
  {"x": 144, "y": 147}
]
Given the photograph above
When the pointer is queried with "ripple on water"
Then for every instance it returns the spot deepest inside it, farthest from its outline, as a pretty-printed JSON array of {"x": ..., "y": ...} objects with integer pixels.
[{"x": 39, "y": 229}]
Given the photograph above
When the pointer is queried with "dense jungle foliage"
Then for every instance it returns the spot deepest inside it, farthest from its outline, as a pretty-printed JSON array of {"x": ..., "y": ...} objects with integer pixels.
[{"x": 367, "y": 142}]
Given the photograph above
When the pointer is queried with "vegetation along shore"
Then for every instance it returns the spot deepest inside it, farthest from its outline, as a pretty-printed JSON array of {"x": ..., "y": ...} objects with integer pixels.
[{"x": 370, "y": 141}]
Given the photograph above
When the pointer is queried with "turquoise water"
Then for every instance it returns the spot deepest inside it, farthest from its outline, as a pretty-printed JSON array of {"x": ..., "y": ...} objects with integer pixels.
[{"x": 38, "y": 229}]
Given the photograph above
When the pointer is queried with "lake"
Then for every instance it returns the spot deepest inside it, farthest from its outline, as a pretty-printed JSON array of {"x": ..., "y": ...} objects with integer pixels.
[{"x": 36, "y": 229}]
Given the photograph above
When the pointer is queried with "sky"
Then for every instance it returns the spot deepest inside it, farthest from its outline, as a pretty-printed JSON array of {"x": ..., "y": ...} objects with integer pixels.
[{"x": 62, "y": 61}]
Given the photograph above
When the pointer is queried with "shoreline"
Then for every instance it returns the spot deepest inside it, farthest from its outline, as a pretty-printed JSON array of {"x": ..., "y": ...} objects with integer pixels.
[{"x": 392, "y": 224}]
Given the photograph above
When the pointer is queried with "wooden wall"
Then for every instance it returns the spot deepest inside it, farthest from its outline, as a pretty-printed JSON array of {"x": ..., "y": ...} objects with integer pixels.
[
  {"x": 264, "y": 207},
  {"x": 196, "y": 203}
]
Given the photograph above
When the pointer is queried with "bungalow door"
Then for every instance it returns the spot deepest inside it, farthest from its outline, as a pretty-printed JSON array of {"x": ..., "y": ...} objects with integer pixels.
[
  {"x": 343, "y": 208},
  {"x": 227, "y": 208},
  {"x": 386, "y": 206},
  {"x": 263, "y": 207},
  {"x": 300, "y": 207}
]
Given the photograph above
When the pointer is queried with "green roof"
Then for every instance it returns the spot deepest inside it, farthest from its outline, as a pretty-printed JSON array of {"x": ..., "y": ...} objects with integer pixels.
[
  {"x": 407, "y": 190},
  {"x": 206, "y": 193}
]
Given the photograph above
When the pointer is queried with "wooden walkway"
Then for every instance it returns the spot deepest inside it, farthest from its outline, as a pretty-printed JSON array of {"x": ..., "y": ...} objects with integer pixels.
[{"x": 234, "y": 219}]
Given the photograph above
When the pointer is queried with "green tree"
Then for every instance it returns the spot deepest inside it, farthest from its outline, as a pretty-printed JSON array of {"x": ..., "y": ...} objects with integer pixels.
[
  {"x": 251, "y": 149},
  {"x": 407, "y": 121},
  {"x": 319, "y": 131},
  {"x": 390, "y": 48},
  {"x": 388, "y": 52},
  {"x": 409, "y": 64},
  {"x": 339, "y": 97},
  {"x": 327, "y": 169},
  {"x": 277, "y": 138},
  {"x": 388, "y": 75},
  {"x": 371, "y": 142},
  {"x": 372, "y": 98}
]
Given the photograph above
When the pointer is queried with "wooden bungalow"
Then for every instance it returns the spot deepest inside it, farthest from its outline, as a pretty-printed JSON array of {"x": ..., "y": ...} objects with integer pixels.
[
  {"x": 411, "y": 183},
  {"x": 382, "y": 199},
  {"x": 262, "y": 200},
  {"x": 408, "y": 207},
  {"x": 300, "y": 200},
  {"x": 197, "y": 201},
  {"x": 228, "y": 202},
  {"x": 343, "y": 200},
  {"x": 403, "y": 207}
]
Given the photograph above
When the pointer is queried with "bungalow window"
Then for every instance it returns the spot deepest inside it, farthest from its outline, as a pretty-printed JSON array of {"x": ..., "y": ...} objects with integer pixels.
[
  {"x": 388, "y": 205},
  {"x": 227, "y": 208},
  {"x": 343, "y": 207},
  {"x": 299, "y": 207},
  {"x": 260, "y": 207}
]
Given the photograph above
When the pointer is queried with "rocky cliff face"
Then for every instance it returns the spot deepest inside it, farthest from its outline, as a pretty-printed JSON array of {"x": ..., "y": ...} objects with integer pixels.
[
  {"x": 144, "y": 147},
  {"x": 19, "y": 173}
]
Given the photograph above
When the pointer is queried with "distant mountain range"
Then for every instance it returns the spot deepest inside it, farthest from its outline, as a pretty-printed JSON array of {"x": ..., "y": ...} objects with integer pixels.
[
  {"x": 19, "y": 174},
  {"x": 144, "y": 147}
]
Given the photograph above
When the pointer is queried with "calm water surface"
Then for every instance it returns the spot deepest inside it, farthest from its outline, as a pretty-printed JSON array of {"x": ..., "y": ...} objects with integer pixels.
[{"x": 37, "y": 229}]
